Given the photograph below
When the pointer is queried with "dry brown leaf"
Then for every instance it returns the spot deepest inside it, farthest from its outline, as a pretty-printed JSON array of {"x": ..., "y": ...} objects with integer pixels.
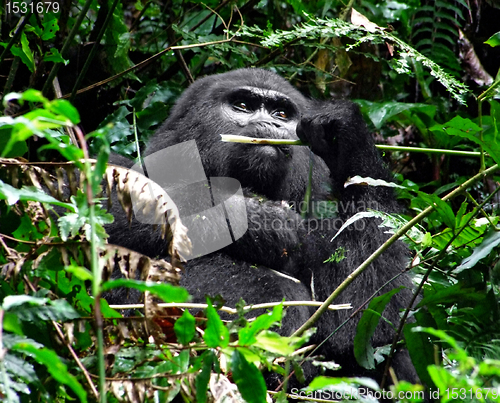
[
  {"x": 149, "y": 198},
  {"x": 360, "y": 20},
  {"x": 136, "y": 193}
]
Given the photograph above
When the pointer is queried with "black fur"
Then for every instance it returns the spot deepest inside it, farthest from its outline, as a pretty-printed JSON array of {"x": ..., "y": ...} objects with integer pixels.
[{"x": 275, "y": 183}]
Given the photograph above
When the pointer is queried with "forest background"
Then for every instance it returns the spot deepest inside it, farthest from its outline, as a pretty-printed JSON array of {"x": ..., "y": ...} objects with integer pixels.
[{"x": 89, "y": 77}]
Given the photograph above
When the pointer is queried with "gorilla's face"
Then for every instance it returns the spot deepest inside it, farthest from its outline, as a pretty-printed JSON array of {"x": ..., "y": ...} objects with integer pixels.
[
  {"x": 260, "y": 113},
  {"x": 248, "y": 102}
]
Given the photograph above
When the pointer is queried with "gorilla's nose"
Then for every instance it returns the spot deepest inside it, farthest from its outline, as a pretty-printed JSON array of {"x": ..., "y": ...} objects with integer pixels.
[
  {"x": 264, "y": 119},
  {"x": 270, "y": 129}
]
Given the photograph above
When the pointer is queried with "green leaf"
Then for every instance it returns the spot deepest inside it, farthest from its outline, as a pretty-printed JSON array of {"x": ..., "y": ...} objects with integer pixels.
[
  {"x": 494, "y": 40},
  {"x": 27, "y": 231},
  {"x": 248, "y": 378},
  {"x": 451, "y": 295},
  {"x": 70, "y": 224},
  {"x": 363, "y": 350},
  {"x": 21, "y": 368},
  {"x": 27, "y": 51},
  {"x": 49, "y": 29},
  {"x": 442, "y": 208},
  {"x": 117, "y": 39},
  {"x": 32, "y": 309},
  {"x": 466, "y": 128},
  {"x": 459, "y": 352},
  {"x": 24, "y": 53},
  {"x": 54, "y": 365},
  {"x": 181, "y": 361},
  {"x": 17, "y": 149},
  {"x": 490, "y": 241},
  {"x": 420, "y": 347},
  {"x": 13, "y": 301},
  {"x": 167, "y": 292},
  {"x": 152, "y": 115},
  {"x": 64, "y": 108},
  {"x": 203, "y": 377},
  {"x": 263, "y": 322},
  {"x": 458, "y": 126},
  {"x": 380, "y": 113},
  {"x": 489, "y": 368},
  {"x": 39, "y": 122},
  {"x": 11, "y": 323},
  {"x": 97, "y": 173},
  {"x": 18, "y": 129},
  {"x": 441, "y": 378},
  {"x": 184, "y": 328},
  {"x": 108, "y": 312},
  {"x": 30, "y": 95},
  {"x": 216, "y": 334},
  {"x": 54, "y": 56},
  {"x": 471, "y": 235},
  {"x": 144, "y": 92},
  {"x": 80, "y": 272},
  {"x": 273, "y": 342}
]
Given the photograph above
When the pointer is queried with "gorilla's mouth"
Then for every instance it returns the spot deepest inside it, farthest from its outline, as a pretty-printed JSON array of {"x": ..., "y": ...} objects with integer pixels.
[
  {"x": 260, "y": 167},
  {"x": 264, "y": 130}
]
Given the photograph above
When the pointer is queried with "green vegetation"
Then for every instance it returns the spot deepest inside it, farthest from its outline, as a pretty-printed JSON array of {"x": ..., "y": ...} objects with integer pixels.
[{"x": 95, "y": 77}]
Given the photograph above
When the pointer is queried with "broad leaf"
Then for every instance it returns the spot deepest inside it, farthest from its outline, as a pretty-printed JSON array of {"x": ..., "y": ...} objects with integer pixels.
[
  {"x": 248, "y": 378},
  {"x": 363, "y": 350},
  {"x": 166, "y": 292},
  {"x": 263, "y": 322},
  {"x": 216, "y": 333},
  {"x": 54, "y": 365},
  {"x": 13, "y": 195},
  {"x": 490, "y": 241},
  {"x": 184, "y": 328},
  {"x": 203, "y": 377}
]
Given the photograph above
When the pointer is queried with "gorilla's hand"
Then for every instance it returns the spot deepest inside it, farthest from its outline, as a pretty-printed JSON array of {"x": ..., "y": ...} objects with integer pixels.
[
  {"x": 336, "y": 132},
  {"x": 318, "y": 129}
]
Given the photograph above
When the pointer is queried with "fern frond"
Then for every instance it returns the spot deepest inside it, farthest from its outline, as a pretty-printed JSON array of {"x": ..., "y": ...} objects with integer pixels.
[
  {"x": 316, "y": 28},
  {"x": 436, "y": 33}
]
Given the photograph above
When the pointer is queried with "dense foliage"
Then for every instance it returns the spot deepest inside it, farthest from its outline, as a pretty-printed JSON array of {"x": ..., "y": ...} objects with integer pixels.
[{"x": 89, "y": 77}]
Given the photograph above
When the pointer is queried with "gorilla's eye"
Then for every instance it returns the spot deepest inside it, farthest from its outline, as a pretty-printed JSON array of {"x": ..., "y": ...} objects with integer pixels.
[
  {"x": 240, "y": 106},
  {"x": 281, "y": 114}
]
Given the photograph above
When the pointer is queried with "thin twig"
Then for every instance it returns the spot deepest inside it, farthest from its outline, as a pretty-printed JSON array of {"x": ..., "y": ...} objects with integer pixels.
[
  {"x": 231, "y": 138},
  {"x": 233, "y": 311},
  {"x": 149, "y": 60},
  {"x": 93, "y": 51},
  {"x": 67, "y": 44},
  {"x": 77, "y": 359}
]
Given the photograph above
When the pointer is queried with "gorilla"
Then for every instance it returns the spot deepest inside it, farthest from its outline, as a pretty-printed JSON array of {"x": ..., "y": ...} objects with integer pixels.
[{"x": 284, "y": 254}]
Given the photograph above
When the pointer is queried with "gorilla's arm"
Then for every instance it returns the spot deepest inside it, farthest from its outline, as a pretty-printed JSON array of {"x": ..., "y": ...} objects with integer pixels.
[
  {"x": 277, "y": 234},
  {"x": 337, "y": 133}
]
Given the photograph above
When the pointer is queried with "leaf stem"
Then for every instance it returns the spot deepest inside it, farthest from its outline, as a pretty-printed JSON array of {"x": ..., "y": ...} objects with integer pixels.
[
  {"x": 189, "y": 305},
  {"x": 481, "y": 137},
  {"x": 231, "y": 138},
  {"x": 95, "y": 265}
]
